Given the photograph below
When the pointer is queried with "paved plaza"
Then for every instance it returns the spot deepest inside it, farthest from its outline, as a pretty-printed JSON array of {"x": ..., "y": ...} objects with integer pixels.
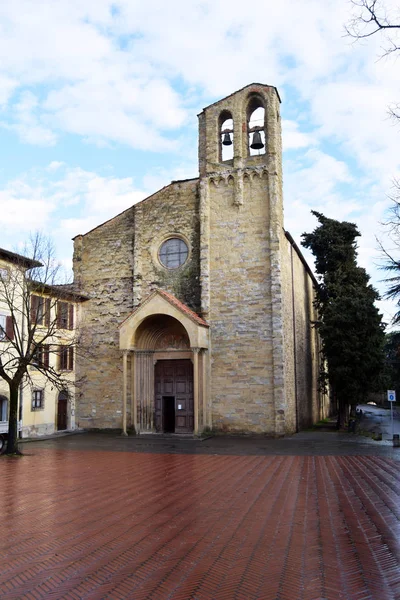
[{"x": 312, "y": 517}]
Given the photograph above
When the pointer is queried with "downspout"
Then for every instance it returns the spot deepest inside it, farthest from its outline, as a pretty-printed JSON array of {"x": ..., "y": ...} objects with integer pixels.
[{"x": 294, "y": 340}]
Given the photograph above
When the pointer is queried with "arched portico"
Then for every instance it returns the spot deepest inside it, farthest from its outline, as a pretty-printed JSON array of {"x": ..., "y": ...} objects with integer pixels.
[{"x": 165, "y": 363}]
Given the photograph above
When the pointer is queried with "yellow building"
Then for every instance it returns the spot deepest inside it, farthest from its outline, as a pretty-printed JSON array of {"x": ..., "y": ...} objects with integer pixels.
[{"x": 43, "y": 317}]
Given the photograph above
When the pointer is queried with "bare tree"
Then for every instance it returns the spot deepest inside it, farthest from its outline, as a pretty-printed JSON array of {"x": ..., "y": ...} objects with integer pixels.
[
  {"x": 371, "y": 17},
  {"x": 31, "y": 294}
]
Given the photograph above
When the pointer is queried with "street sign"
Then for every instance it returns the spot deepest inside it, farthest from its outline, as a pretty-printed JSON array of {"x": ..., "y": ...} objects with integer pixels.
[{"x": 391, "y": 395}]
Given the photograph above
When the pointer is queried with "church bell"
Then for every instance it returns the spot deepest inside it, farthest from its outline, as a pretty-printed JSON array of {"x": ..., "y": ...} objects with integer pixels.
[
  {"x": 257, "y": 142},
  {"x": 227, "y": 139}
]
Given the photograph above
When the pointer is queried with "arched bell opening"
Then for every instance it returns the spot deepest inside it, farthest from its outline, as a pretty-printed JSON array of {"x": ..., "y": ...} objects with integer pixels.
[
  {"x": 256, "y": 126},
  {"x": 225, "y": 128}
]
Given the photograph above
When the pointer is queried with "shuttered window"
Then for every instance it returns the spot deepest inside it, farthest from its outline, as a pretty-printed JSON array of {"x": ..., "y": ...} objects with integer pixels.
[
  {"x": 41, "y": 356},
  {"x": 65, "y": 358},
  {"x": 6, "y": 328},
  {"x": 40, "y": 310},
  {"x": 65, "y": 315}
]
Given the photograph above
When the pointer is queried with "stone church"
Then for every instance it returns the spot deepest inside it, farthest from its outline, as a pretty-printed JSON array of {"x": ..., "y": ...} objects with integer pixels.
[{"x": 200, "y": 304}]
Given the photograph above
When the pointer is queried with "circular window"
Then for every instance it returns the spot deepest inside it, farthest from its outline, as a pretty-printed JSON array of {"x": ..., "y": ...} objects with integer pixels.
[{"x": 173, "y": 253}]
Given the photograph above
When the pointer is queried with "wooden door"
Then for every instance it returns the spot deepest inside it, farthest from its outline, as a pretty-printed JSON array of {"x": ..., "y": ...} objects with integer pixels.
[
  {"x": 62, "y": 414},
  {"x": 174, "y": 378}
]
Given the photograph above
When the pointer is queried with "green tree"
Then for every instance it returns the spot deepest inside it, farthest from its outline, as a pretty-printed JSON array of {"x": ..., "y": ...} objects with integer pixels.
[
  {"x": 392, "y": 361},
  {"x": 349, "y": 323}
]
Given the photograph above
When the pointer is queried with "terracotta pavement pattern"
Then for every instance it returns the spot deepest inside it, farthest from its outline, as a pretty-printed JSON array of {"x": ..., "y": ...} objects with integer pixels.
[{"x": 108, "y": 525}]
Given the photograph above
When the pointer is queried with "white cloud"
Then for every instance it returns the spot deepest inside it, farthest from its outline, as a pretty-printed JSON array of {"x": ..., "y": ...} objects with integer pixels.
[
  {"x": 293, "y": 138},
  {"x": 27, "y": 124},
  {"x": 133, "y": 73}
]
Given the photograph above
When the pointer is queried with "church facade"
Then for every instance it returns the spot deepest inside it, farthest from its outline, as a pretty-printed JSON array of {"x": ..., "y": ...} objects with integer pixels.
[{"x": 200, "y": 304}]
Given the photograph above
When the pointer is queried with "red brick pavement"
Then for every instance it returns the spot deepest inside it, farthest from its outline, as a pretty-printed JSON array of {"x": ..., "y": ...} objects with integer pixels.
[{"x": 107, "y": 525}]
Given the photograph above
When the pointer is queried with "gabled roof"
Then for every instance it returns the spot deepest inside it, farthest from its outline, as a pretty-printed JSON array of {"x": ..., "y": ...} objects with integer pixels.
[
  {"x": 175, "y": 302},
  {"x": 18, "y": 259},
  {"x": 60, "y": 291},
  {"x": 241, "y": 90}
]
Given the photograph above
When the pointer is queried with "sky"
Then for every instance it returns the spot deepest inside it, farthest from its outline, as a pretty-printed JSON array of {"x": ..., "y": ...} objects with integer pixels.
[{"x": 99, "y": 104}]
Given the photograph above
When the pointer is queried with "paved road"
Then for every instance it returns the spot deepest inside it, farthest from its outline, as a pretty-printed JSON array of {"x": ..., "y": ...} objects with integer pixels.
[
  {"x": 379, "y": 419},
  {"x": 103, "y": 517}
]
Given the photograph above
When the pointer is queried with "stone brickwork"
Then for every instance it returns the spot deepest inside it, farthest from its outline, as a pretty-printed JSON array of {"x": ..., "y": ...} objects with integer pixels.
[
  {"x": 117, "y": 266},
  {"x": 305, "y": 403},
  {"x": 242, "y": 216}
]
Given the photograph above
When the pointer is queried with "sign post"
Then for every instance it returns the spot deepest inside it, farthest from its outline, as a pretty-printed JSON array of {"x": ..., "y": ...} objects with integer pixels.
[{"x": 391, "y": 396}]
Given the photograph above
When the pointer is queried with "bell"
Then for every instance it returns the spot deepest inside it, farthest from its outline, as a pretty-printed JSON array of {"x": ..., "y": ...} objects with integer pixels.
[
  {"x": 227, "y": 139},
  {"x": 257, "y": 142}
]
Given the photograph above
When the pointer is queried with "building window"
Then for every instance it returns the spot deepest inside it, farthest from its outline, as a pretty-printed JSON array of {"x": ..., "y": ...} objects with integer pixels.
[
  {"x": 40, "y": 310},
  {"x": 40, "y": 357},
  {"x": 6, "y": 328},
  {"x": 65, "y": 315},
  {"x": 65, "y": 358},
  {"x": 3, "y": 408},
  {"x": 37, "y": 399},
  {"x": 3, "y": 274},
  {"x": 2, "y": 327},
  {"x": 173, "y": 253}
]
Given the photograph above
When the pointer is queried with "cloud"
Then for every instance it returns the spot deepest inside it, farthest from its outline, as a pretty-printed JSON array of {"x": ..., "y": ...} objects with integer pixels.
[
  {"x": 26, "y": 122},
  {"x": 292, "y": 138},
  {"x": 106, "y": 73}
]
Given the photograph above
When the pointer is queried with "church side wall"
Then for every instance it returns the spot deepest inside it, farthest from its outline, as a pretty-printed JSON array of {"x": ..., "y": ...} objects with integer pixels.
[
  {"x": 305, "y": 405},
  {"x": 103, "y": 261},
  {"x": 288, "y": 337},
  {"x": 240, "y": 307}
]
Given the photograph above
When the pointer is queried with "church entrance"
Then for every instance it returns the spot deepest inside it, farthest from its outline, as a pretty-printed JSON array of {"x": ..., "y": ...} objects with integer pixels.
[{"x": 173, "y": 402}]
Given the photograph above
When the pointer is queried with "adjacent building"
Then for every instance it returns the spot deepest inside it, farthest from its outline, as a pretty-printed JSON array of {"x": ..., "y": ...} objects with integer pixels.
[{"x": 45, "y": 317}]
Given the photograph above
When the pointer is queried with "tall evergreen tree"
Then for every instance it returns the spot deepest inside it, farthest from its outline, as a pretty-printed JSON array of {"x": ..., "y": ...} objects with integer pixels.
[{"x": 350, "y": 325}]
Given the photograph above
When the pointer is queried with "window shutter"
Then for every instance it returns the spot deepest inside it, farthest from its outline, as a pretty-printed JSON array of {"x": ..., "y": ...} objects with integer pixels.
[
  {"x": 46, "y": 356},
  {"x": 9, "y": 328},
  {"x": 59, "y": 313},
  {"x": 47, "y": 312},
  {"x": 71, "y": 359},
  {"x": 71, "y": 316},
  {"x": 34, "y": 308}
]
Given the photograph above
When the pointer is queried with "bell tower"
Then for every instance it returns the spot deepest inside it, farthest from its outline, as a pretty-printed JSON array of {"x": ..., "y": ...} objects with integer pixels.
[{"x": 241, "y": 220}]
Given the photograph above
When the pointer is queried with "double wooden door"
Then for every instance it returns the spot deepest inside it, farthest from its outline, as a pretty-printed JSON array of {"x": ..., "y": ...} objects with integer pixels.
[{"x": 174, "y": 396}]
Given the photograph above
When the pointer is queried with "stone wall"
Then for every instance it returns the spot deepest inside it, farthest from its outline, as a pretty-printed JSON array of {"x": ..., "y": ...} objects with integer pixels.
[
  {"x": 241, "y": 218},
  {"x": 116, "y": 265},
  {"x": 240, "y": 308},
  {"x": 173, "y": 211},
  {"x": 305, "y": 404}
]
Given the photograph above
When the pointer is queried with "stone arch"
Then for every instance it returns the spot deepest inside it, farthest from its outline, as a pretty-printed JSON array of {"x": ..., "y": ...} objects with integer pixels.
[
  {"x": 256, "y": 122},
  {"x": 225, "y": 135},
  {"x": 161, "y": 332}
]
